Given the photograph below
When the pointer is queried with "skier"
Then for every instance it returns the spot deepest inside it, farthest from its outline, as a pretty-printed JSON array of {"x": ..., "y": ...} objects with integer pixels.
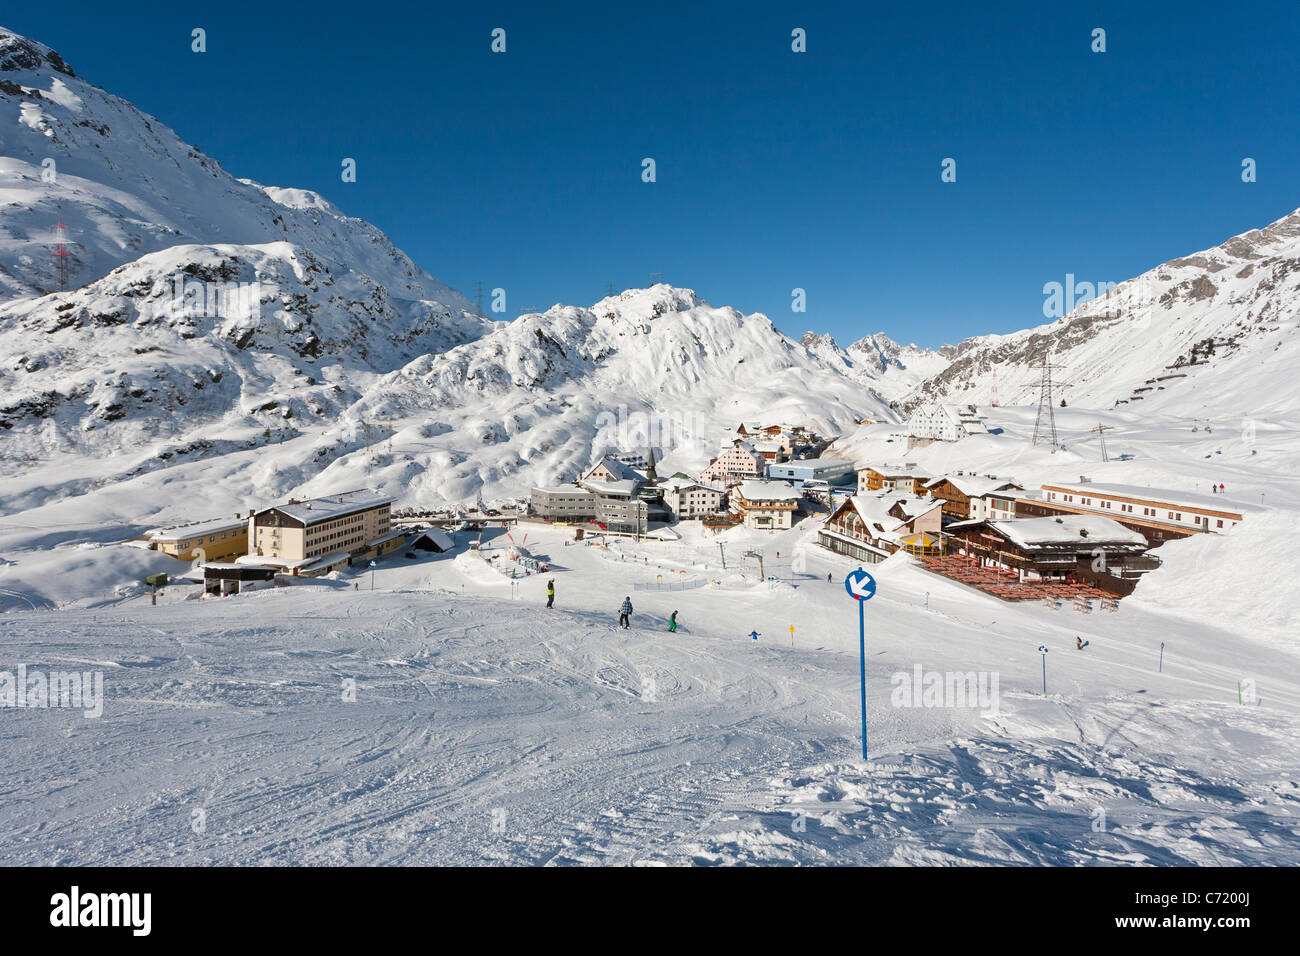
[
  {"x": 672, "y": 622},
  {"x": 828, "y": 578},
  {"x": 550, "y": 593},
  {"x": 1220, "y": 487},
  {"x": 625, "y": 614}
]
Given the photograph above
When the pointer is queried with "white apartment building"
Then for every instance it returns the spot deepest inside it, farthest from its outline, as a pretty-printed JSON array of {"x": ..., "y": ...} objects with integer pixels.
[
  {"x": 734, "y": 465},
  {"x": 690, "y": 499},
  {"x": 765, "y": 505},
  {"x": 945, "y": 422}
]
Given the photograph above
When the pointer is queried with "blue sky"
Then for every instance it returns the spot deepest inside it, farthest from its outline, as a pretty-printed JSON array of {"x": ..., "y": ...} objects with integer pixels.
[{"x": 775, "y": 170}]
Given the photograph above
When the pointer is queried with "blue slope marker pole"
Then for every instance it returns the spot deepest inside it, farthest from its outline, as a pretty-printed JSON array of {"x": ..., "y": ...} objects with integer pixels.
[
  {"x": 862, "y": 588},
  {"x": 1042, "y": 649},
  {"x": 1162, "y": 657},
  {"x": 862, "y": 669}
]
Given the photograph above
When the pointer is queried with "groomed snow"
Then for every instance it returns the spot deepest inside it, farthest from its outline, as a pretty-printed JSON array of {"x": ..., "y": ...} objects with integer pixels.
[{"x": 487, "y": 729}]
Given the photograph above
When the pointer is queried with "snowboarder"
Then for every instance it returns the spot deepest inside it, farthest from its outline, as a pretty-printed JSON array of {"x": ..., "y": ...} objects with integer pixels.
[
  {"x": 672, "y": 622},
  {"x": 625, "y": 614},
  {"x": 1078, "y": 642},
  {"x": 550, "y": 593},
  {"x": 828, "y": 578}
]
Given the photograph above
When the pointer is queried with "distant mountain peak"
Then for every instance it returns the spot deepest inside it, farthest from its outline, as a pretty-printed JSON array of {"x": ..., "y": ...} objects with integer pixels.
[{"x": 17, "y": 52}]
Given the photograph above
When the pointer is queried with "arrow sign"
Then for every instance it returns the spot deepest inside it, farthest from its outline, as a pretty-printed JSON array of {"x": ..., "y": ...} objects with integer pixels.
[
  {"x": 862, "y": 588},
  {"x": 860, "y": 585}
]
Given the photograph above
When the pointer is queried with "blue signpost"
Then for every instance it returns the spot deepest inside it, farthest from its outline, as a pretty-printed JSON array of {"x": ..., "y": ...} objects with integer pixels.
[
  {"x": 372, "y": 575},
  {"x": 862, "y": 588},
  {"x": 1162, "y": 657},
  {"x": 1042, "y": 649}
]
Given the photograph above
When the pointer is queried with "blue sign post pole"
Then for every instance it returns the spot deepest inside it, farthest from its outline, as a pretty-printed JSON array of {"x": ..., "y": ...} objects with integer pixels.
[
  {"x": 862, "y": 670},
  {"x": 372, "y": 575},
  {"x": 1162, "y": 657},
  {"x": 1042, "y": 649},
  {"x": 862, "y": 588}
]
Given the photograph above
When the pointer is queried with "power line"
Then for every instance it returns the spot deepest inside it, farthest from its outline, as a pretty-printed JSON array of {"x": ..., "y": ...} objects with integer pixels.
[
  {"x": 1045, "y": 424},
  {"x": 1101, "y": 436},
  {"x": 61, "y": 253}
]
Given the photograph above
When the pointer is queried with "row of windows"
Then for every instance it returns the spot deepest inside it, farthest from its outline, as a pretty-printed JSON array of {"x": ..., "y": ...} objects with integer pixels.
[
  {"x": 1146, "y": 512},
  {"x": 212, "y": 539}
]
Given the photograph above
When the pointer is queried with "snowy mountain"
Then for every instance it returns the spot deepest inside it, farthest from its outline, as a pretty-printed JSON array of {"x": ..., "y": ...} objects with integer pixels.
[
  {"x": 206, "y": 315},
  {"x": 125, "y": 185},
  {"x": 890, "y": 370},
  {"x": 539, "y": 399},
  {"x": 1209, "y": 333},
  {"x": 200, "y": 309}
]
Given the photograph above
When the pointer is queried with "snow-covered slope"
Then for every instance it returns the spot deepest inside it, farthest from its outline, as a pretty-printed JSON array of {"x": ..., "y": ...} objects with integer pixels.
[
  {"x": 1213, "y": 333},
  {"x": 487, "y": 729}
]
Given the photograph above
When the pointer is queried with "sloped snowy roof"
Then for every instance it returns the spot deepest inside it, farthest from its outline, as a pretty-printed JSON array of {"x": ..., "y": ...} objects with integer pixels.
[
  {"x": 768, "y": 491},
  {"x": 819, "y": 463},
  {"x": 874, "y": 509},
  {"x": 973, "y": 486},
  {"x": 315, "y": 510},
  {"x": 681, "y": 484},
  {"x": 909, "y": 470},
  {"x": 618, "y": 488},
  {"x": 621, "y": 470},
  {"x": 1066, "y": 529},
  {"x": 440, "y": 538},
  {"x": 560, "y": 490},
  {"x": 199, "y": 528}
]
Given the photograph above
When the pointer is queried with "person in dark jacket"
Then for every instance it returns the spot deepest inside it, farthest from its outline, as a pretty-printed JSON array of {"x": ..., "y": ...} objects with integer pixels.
[
  {"x": 550, "y": 593},
  {"x": 625, "y": 614}
]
